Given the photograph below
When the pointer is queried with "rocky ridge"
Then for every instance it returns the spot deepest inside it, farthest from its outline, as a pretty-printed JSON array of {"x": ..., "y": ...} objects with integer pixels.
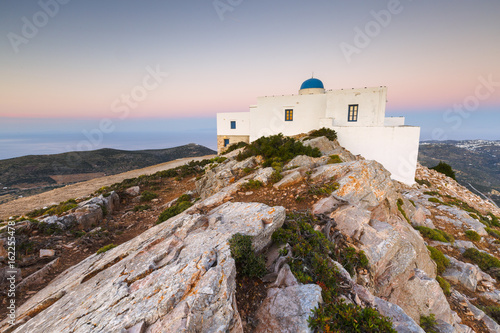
[{"x": 180, "y": 276}]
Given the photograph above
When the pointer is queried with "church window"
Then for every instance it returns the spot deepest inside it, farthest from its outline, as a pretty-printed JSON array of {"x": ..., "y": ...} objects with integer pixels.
[
  {"x": 289, "y": 115},
  {"x": 233, "y": 124},
  {"x": 226, "y": 142},
  {"x": 353, "y": 112}
]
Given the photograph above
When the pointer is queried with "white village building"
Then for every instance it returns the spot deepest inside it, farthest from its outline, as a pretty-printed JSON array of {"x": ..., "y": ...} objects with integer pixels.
[{"x": 357, "y": 115}]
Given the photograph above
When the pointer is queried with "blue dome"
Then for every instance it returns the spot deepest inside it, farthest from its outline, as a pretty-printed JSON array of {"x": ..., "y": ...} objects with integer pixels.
[{"x": 312, "y": 83}]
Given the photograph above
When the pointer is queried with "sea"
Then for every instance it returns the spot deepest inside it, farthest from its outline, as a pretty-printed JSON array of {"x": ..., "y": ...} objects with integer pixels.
[{"x": 16, "y": 141}]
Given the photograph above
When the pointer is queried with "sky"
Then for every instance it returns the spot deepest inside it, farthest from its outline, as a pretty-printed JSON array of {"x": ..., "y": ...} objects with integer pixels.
[{"x": 158, "y": 69}]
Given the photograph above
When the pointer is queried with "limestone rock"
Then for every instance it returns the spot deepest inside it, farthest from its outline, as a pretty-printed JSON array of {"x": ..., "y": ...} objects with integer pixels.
[
  {"x": 133, "y": 191},
  {"x": 38, "y": 277},
  {"x": 464, "y": 218},
  {"x": 363, "y": 183},
  {"x": 88, "y": 216},
  {"x": 64, "y": 222},
  {"x": 300, "y": 161},
  {"x": 263, "y": 175},
  {"x": 328, "y": 147},
  {"x": 47, "y": 253},
  {"x": 401, "y": 322},
  {"x": 462, "y": 273},
  {"x": 178, "y": 275},
  {"x": 287, "y": 309},
  {"x": 478, "y": 314},
  {"x": 285, "y": 278},
  {"x": 464, "y": 245},
  {"x": 351, "y": 220},
  {"x": 327, "y": 205},
  {"x": 290, "y": 179},
  {"x": 419, "y": 217},
  {"x": 427, "y": 297}
]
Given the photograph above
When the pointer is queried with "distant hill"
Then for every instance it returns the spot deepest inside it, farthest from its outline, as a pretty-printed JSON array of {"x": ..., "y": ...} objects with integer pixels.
[
  {"x": 476, "y": 162},
  {"x": 32, "y": 174}
]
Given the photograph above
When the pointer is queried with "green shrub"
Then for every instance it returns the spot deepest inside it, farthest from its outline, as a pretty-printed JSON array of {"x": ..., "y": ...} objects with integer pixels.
[
  {"x": 277, "y": 148},
  {"x": 433, "y": 193},
  {"x": 474, "y": 216},
  {"x": 49, "y": 228},
  {"x": 324, "y": 189},
  {"x": 140, "y": 208},
  {"x": 252, "y": 184},
  {"x": 444, "y": 169},
  {"x": 441, "y": 261},
  {"x": 24, "y": 247},
  {"x": 184, "y": 197},
  {"x": 445, "y": 285},
  {"x": 352, "y": 259},
  {"x": 311, "y": 262},
  {"x": 436, "y": 200},
  {"x": 483, "y": 260},
  {"x": 334, "y": 159},
  {"x": 494, "y": 220},
  {"x": 78, "y": 233},
  {"x": 55, "y": 209},
  {"x": 342, "y": 317},
  {"x": 247, "y": 262},
  {"x": 472, "y": 235},
  {"x": 148, "y": 196},
  {"x": 326, "y": 132},
  {"x": 435, "y": 234},
  {"x": 423, "y": 182},
  {"x": 181, "y": 205},
  {"x": 493, "y": 232},
  {"x": 235, "y": 146},
  {"x": 413, "y": 203},
  {"x": 248, "y": 170},
  {"x": 429, "y": 324},
  {"x": 401, "y": 210},
  {"x": 105, "y": 248},
  {"x": 218, "y": 159},
  {"x": 493, "y": 311}
]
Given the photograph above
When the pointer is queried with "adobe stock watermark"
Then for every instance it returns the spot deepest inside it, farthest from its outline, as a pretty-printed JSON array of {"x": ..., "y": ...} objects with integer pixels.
[
  {"x": 455, "y": 115},
  {"x": 276, "y": 124},
  {"x": 365, "y": 35},
  {"x": 223, "y": 6},
  {"x": 122, "y": 105},
  {"x": 31, "y": 27}
]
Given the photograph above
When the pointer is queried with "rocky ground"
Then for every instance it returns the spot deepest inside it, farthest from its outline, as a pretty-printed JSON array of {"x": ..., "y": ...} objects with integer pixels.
[{"x": 179, "y": 275}]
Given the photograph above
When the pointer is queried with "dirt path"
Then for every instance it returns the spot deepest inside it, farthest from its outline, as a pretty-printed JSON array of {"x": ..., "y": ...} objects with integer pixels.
[{"x": 25, "y": 205}]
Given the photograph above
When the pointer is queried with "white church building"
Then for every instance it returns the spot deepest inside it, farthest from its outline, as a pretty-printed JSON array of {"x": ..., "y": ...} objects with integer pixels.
[{"x": 357, "y": 115}]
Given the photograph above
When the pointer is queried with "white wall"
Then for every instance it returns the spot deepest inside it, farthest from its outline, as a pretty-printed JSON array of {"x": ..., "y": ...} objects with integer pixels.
[
  {"x": 242, "y": 123},
  {"x": 396, "y": 148},
  {"x": 371, "y": 106},
  {"x": 268, "y": 118},
  {"x": 394, "y": 121}
]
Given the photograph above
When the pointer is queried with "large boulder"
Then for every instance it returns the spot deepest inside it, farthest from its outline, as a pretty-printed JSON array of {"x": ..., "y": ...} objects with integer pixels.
[
  {"x": 462, "y": 273},
  {"x": 287, "y": 309},
  {"x": 364, "y": 183},
  {"x": 425, "y": 297},
  {"x": 328, "y": 147},
  {"x": 89, "y": 216},
  {"x": 176, "y": 276}
]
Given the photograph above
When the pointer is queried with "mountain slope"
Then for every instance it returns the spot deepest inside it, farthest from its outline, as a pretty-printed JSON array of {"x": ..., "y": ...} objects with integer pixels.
[
  {"x": 338, "y": 234},
  {"x": 476, "y": 162},
  {"x": 28, "y": 175}
]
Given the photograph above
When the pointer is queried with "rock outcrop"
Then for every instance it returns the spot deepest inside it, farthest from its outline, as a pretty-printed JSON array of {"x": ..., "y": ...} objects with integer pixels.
[
  {"x": 179, "y": 276},
  {"x": 176, "y": 276}
]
